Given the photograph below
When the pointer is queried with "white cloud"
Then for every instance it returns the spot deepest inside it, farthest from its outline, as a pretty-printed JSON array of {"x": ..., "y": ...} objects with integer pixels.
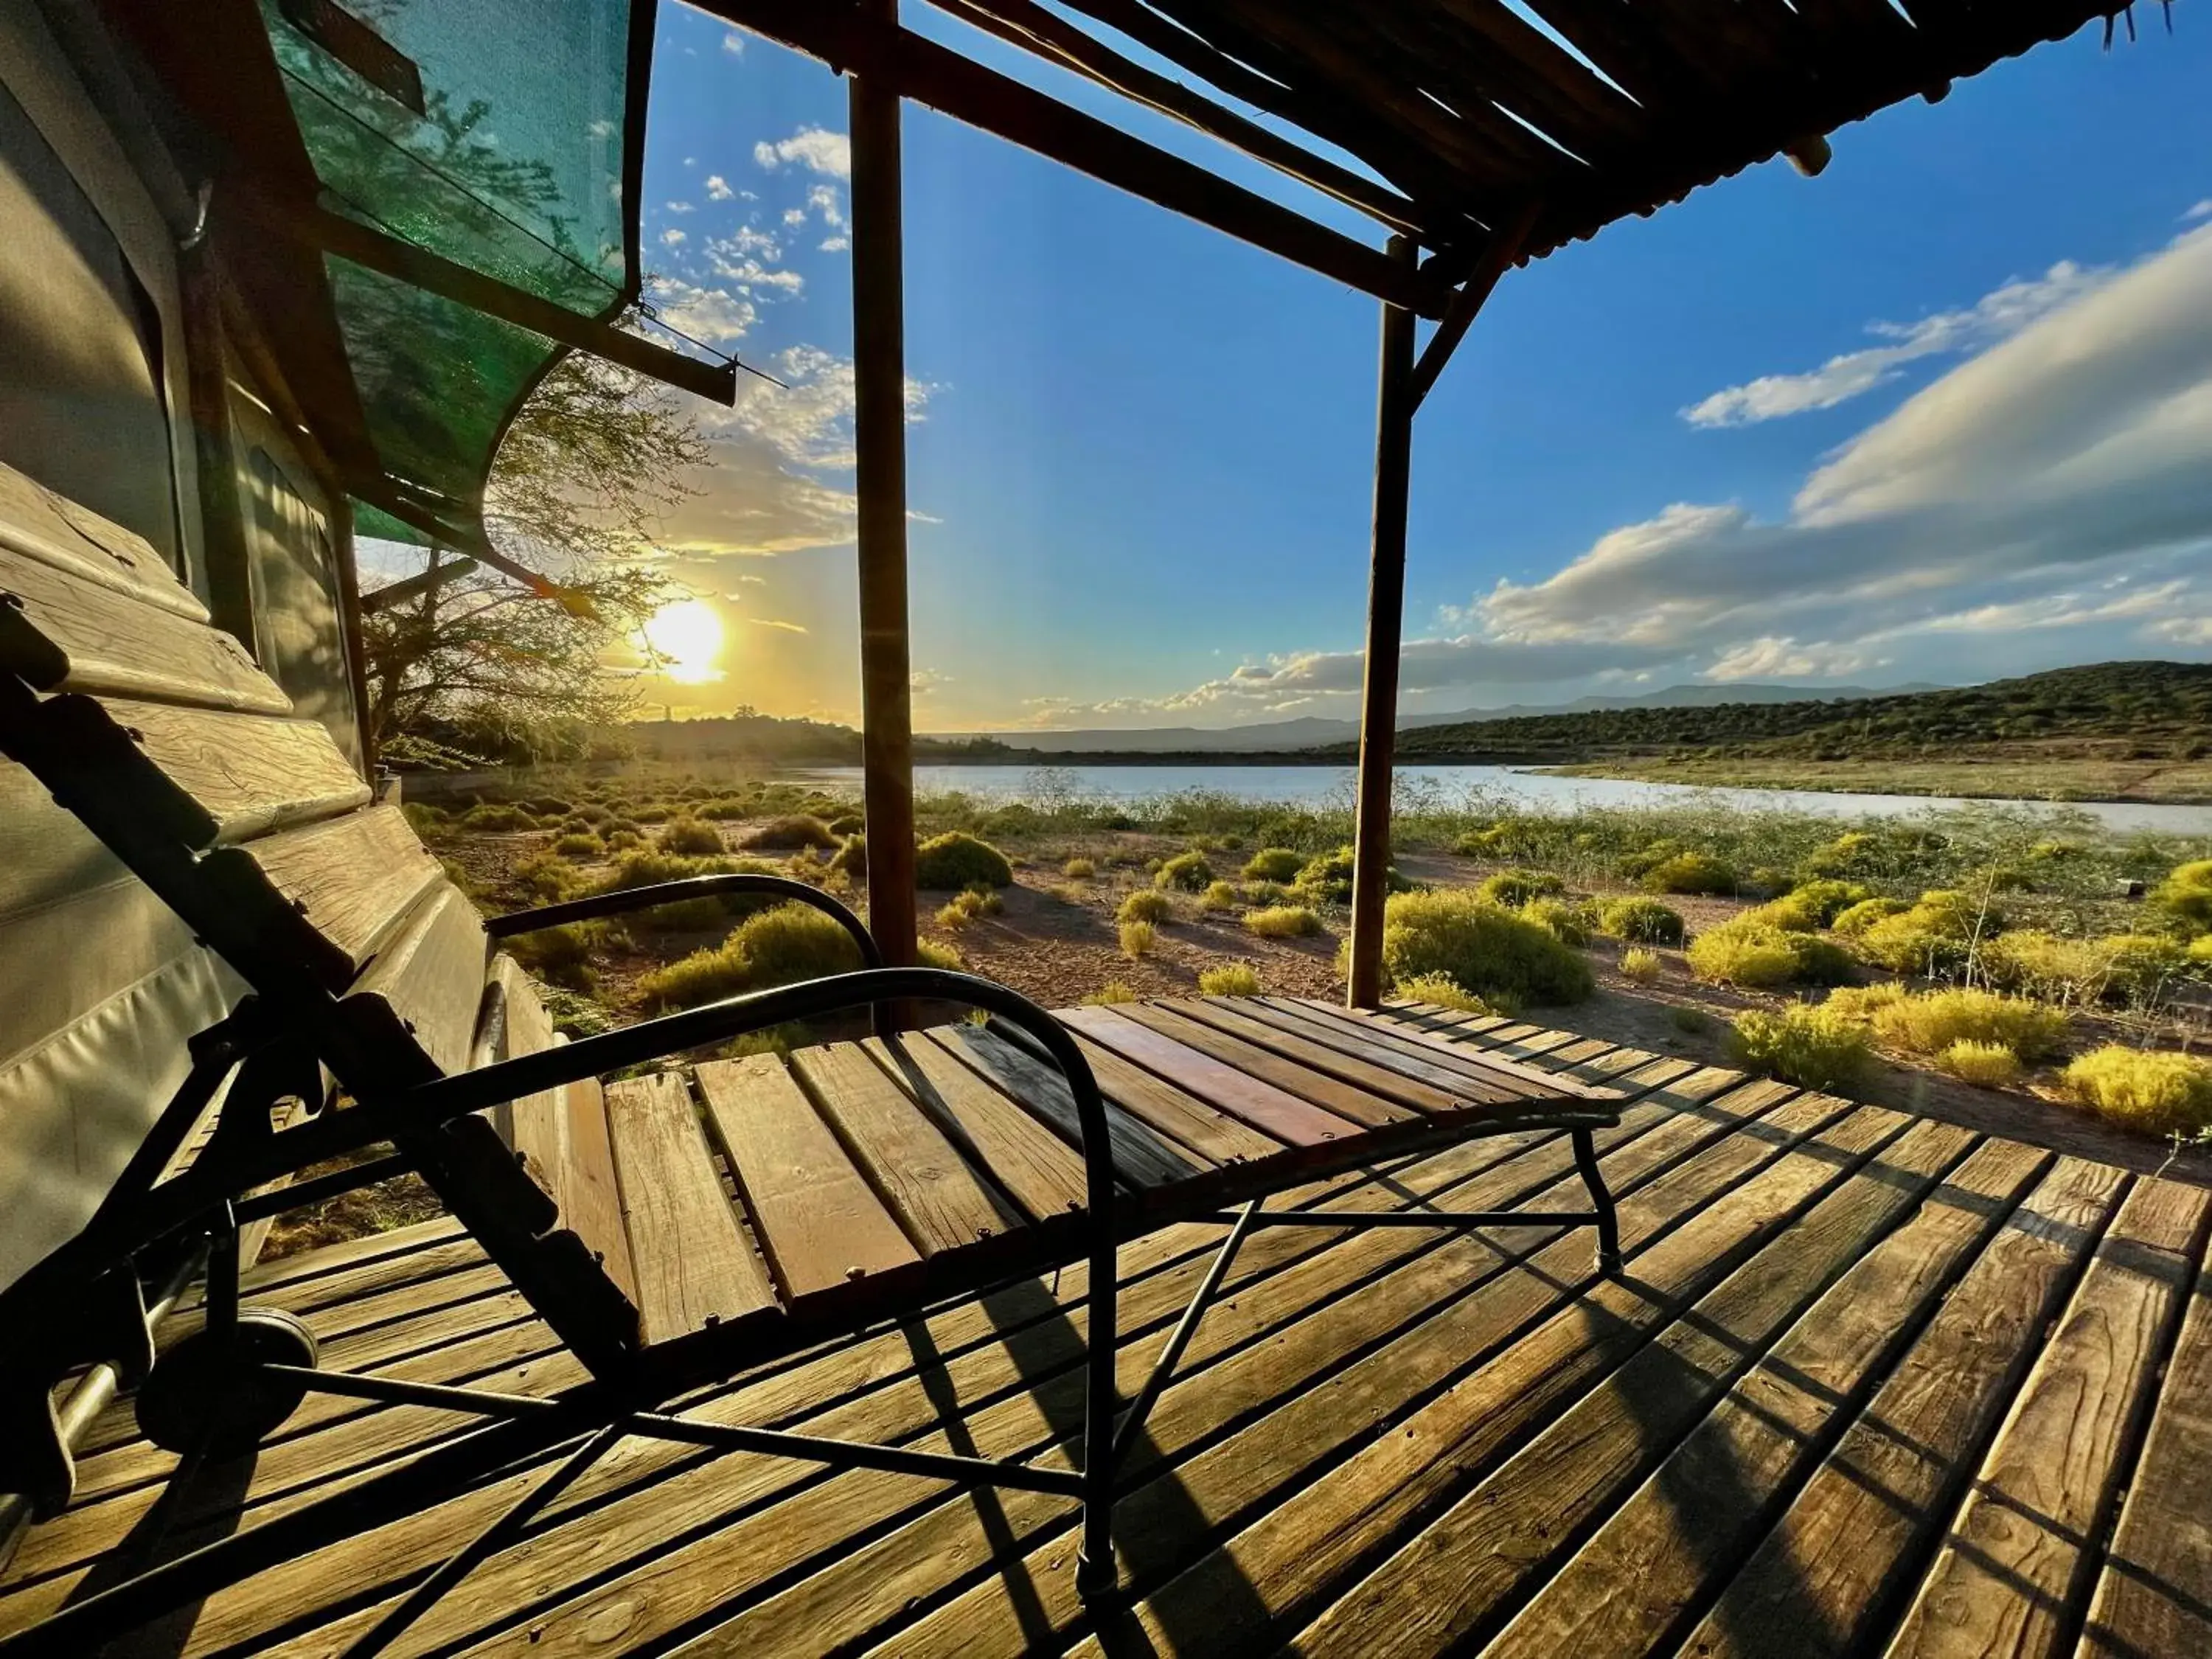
[
  {"x": 746, "y": 242},
  {"x": 718, "y": 188},
  {"x": 733, "y": 43},
  {"x": 2202, "y": 211},
  {"x": 673, "y": 238},
  {"x": 2048, "y": 500},
  {"x": 749, "y": 276},
  {"x": 834, "y": 245},
  {"x": 679, "y": 207},
  {"x": 794, "y": 217},
  {"x": 816, "y": 149},
  {"x": 824, "y": 200},
  {"x": 2001, "y": 313},
  {"x": 712, "y": 315}
]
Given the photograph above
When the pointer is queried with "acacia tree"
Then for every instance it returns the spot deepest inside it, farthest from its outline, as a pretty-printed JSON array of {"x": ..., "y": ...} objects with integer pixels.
[{"x": 481, "y": 667}]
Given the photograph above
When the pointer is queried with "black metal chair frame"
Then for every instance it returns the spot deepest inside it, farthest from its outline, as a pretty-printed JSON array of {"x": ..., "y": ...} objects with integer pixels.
[{"x": 294, "y": 1024}]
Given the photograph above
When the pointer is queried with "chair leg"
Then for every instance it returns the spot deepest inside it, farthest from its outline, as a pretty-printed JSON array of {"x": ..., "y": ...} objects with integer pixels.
[
  {"x": 1096, "y": 1576},
  {"x": 1609, "y": 1220}
]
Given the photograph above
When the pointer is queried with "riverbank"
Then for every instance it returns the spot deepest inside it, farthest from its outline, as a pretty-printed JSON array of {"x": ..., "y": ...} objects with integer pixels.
[{"x": 2083, "y": 780}]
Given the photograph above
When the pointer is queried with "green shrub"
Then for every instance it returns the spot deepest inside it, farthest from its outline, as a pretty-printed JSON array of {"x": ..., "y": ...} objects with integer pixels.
[
  {"x": 1264, "y": 893},
  {"x": 1232, "y": 979},
  {"x": 1514, "y": 888},
  {"x": 969, "y": 904},
  {"x": 1445, "y": 992},
  {"x": 1689, "y": 872},
  {"x": 1482, "y": 946},
  {"x": 1284, "y": 921},
  {"x": 689, "y": 836},
  {"x": 1188, "y": 871},
  {"x": 497, "y": 819},
  {"x": 578, "y": 844},
  {"x": 1645, "y": 920},
  {"x": 428, "y": 820},
  {"x": 1147, "y": 905},
  {"x": 1811, "y": 1047},
  {"x": 725, "y": 808},
  {"x": 1928, "y": 1022},
  {"x": 549, "y": 807},
  {"x": 1854, "y": 853},
  {"x": 784, "y": 945},
  {"x": 1758, "y": 954},
  {"x": 1220, "y": 895},
  {"x": 1278, "y": 864},
  {"x": 851, "y": 856},
  {"x": 1813, "y": 906},
  {"x": 1112, "y": 991},
  {"x": 1986, "y": 1064},
  {"x": 2141, "y": 966},
  {"x": 2200, "y": 952},
  {"x": 2184, "y": 898},
  {"x": 1326, "y": 878},
  {"x": 1137, "y": 939},
  {"x": 1932, "y": 936},
  {"x": 1570, "y": 924},
  {"x": 848, "y": 823},
  {"x": 652, "y": 811},
  {"x": 2162, "y": 1093},
  {"x": 796, "y": 830},
  {"x": 1856, "y": 919},
  {"x": 1748, "y": 954},
  {"x": 548, "y": 876},
  {"x": 2045, "y": 965},
  {"x": 935, "y": 953},
  {"x": 562, "y": 955},
  {"x": 1640, "y": 964},
  {"x": 956, "y": 859},
  {"x": 1079, "y": 869},
  {"x": 618, "y": 841}
]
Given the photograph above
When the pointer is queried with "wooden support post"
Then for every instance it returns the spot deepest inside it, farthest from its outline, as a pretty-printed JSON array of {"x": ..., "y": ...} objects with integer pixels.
[
  {"x": 879, "y": 427},
  {"x": 1386, "y": 605}
]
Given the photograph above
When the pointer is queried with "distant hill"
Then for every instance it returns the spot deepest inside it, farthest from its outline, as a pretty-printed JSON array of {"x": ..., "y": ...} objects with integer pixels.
[
  {"x": 1311, "y": 732},
  {"x": 2157, "y": 705}
]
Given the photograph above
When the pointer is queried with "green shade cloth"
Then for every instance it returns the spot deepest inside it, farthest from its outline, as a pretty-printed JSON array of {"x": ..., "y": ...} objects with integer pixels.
[{"x": 520, "y": 166}]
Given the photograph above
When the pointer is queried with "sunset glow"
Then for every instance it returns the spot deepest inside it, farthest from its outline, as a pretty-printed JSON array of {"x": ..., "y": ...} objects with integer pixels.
[{"x": 687, "y": 634}]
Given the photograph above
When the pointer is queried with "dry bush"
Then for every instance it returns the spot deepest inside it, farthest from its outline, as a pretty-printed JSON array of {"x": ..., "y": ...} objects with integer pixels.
[
  {"x": 1145, "y": 905},
  {"x": 1277, "y": 864},
  {"x": 1484, "y": 948},
  {"x": 1640, "y": 964},
  {"x": 1814, "y": 1048},
  {"x": 1284, "y": 921},
  {"x": 1645, "y": 920},
  {"x": 2163, "y": 1093},
  {"x": 1986, "y": 1064},
  {"x": 1232, "y": 979},
  {"x": 1446, "y": 993},
  {"x": 1137, "y": 939}
]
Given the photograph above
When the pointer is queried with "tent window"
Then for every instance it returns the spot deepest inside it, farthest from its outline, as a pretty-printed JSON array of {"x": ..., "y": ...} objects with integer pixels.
[{"x": 80, "y": 403}]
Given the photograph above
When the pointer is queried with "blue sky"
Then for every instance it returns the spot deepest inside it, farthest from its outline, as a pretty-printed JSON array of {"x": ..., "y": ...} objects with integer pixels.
[{"x": 1944, "y": 413}]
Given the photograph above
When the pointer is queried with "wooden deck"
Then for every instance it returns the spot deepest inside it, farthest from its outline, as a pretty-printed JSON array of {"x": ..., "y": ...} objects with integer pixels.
[{"x": 1872, "y": 1383}]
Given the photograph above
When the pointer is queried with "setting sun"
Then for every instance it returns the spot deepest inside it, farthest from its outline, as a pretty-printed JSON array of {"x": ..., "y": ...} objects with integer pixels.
[{"x": 688, "y": 635}]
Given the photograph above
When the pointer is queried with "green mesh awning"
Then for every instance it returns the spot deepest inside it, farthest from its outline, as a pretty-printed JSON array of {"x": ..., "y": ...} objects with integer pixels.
[{"x": 502, "y": 135}]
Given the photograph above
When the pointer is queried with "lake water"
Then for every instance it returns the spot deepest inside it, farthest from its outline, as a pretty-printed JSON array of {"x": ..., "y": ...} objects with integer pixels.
[{"x": 1528, "y": 791}]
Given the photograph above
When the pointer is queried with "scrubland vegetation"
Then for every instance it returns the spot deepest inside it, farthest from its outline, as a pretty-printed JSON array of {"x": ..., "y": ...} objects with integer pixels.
[{"x": 2034, "y": 953}]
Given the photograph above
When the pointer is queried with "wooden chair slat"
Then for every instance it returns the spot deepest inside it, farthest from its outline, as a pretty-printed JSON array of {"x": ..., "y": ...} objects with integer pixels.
[
  {"x": 1329, "y": 1092},
  {"x": 1284, "y": 1115},
  {"x": 116, "y": 644},
  {"x": 821, "y": 1224},
  {"x": 561, "y": 1134},
  {"x": 355, "y": 877},
  {"x": 942, "y": 1203},
  {"x": 1140, "y": 1157},
  {"x": 1209, "y": 1135},
  {"x": 40, "y": 524},
  {"x": 253, "y": 773},
  {"x": 694, "y": 1262},
  {"x": 1029, "y": 1161},
  {"x": 432, "y": 974},
  {"x": 1231, "y": 1018}
]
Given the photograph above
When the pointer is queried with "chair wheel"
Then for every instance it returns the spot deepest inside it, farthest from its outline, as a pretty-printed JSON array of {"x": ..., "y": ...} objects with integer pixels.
[{"x": 217, "y": 1396}]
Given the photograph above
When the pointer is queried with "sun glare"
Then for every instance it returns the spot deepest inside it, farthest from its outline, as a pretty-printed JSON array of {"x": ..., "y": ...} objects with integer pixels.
[{"x": 688, "y": 634}]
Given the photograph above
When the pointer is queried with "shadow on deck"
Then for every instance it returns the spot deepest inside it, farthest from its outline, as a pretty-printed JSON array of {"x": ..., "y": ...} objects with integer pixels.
[{"x": 1870, "y": 1380}]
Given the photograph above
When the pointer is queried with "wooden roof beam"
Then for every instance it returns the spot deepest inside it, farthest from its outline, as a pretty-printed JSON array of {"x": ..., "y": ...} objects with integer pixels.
[
  {"x": 930, "y": 74},
  {"x": 1505, "y": 246},
  {"x": 1033, "y": 28}
]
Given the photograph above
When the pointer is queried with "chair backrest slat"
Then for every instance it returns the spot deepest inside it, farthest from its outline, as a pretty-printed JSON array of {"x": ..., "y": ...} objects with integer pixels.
[
  {"x": 355, "y": 877},
  {"x": 431, "y": 974}
]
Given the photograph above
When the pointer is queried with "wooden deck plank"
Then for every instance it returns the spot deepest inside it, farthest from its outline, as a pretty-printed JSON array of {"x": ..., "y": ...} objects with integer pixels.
[
  {"x": 1170, "y": 1523},
  {"x": 1246, "y": 1047},
  {"x": 693, "y": 1260},
  {"x": 1042, "y": 1173},
  {"x": 1685, "y": 1531},
  {"x": 2015, "y": 1553},
  {"x": 821, "y": 1224},
  {"x": 1832, "y": 1574},
  {"x": 1203, "y": 1132},
  {"x": 560, "y": 1135},
  {"x": 941, "y": 1202},
  {"x": 2154, "y": 1595},
  {"x": 1140, "y": 1157},
  {"x": 1274, "y": 1111},
  {"x": 1459, "y": 1069},
  {"x": 1453, "y": 1582}
]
